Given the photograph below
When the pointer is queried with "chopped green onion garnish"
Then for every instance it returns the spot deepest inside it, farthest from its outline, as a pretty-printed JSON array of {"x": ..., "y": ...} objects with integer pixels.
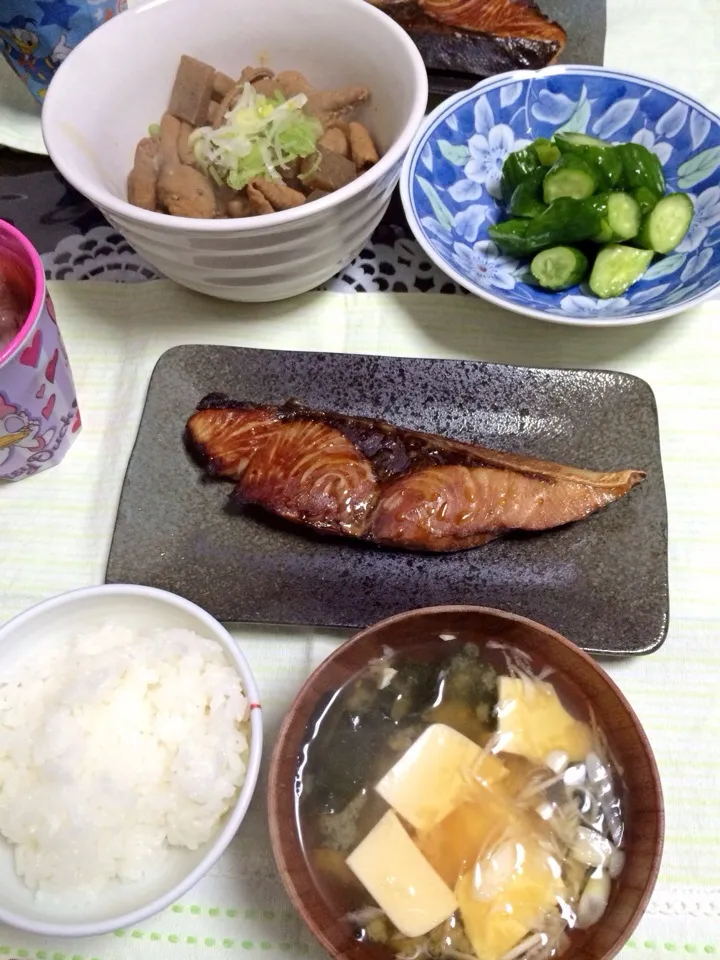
[{"x": 259, "y": 136}]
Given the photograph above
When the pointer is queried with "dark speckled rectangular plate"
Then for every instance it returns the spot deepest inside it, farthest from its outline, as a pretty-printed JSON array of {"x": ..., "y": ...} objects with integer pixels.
[{"x": 601, "y": 582}]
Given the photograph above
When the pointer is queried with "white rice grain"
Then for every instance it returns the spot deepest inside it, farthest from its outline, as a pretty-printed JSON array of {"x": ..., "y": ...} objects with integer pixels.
[{"x": 113, "y": 747}]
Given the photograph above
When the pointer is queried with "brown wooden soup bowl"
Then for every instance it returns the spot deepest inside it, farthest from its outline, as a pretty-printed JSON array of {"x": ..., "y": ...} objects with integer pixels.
[{"x": 581, "y": 675}]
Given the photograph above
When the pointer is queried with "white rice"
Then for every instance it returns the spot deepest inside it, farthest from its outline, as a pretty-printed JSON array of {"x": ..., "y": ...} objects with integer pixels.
[{"x": 114, "y": 746}]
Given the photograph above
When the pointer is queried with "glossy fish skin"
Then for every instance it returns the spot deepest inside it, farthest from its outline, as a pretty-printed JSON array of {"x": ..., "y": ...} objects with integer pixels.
[
  {"x": 368, "y": 479},
  {"x": 478, "y": 55},
  {"x": 478, "y": 37},
  {"x": 226, "y": 438},
  {"x": 276, "y": 464}
]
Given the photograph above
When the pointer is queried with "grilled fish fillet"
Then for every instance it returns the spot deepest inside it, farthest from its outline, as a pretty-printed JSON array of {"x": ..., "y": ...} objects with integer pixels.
[
  {"x": 504, "y": 18},
  {"x": 366, "y": 478},
  {"x": 481, "y": 37}
]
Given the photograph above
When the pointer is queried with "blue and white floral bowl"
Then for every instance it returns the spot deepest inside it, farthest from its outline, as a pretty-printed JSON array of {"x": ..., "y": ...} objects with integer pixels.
[{"x": 450, "y": 185}]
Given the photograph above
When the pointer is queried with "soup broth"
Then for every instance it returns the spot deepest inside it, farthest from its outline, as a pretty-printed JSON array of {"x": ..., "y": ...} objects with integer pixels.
[{"x": 461, "y": 806}]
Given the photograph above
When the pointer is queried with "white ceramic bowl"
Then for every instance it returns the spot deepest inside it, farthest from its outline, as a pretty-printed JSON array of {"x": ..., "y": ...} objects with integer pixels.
[
  {"x": 118, "y": 81},
  {"x": 121, "y": 905}
]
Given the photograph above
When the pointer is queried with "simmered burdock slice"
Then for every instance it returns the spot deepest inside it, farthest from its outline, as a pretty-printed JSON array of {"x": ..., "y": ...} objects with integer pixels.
[
  {"x": 214, "y": 116},
  {"x": 185, "y": 151},
  {"x": 222, "y": 84},
  {"x": 218, "y": 113}
]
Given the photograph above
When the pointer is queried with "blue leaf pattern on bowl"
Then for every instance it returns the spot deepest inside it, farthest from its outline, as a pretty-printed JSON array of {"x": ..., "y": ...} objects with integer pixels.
[{"x": 453, "y": 181}]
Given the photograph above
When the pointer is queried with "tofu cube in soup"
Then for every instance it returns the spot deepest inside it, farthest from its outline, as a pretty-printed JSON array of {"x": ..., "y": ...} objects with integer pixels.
[
  {"x": 427, "y": 782},
  {"x": 399, "y": 878}
]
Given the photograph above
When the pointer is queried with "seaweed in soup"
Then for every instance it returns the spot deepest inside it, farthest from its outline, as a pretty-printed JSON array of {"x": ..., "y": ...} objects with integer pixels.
[{"x": 537, "y": 782}]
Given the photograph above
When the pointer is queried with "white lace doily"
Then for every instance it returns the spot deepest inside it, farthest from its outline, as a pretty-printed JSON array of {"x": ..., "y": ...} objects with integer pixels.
[{"x": 104, "y": 254}]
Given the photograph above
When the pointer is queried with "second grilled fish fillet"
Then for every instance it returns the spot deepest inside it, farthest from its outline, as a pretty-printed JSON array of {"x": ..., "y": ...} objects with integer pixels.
[
  {"x": 479, "y": 37},
  {"x": 367, "y": 478},
  {"x": 504, "y": 18}
]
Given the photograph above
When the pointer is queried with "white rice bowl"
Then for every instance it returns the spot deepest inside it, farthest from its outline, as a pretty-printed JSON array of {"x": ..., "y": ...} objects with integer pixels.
[
  {"x": 128, "y": 756},
  {"x": 115, "y": 746}
]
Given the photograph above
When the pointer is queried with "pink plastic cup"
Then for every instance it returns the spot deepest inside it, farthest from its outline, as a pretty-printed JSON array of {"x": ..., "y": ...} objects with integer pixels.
[{"x": 39, "y": 416}]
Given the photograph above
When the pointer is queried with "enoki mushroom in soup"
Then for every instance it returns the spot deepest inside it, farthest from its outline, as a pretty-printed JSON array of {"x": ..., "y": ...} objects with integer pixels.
[
  {"x": 256, "y": 145},
  {"x": 462, "y": 805}
]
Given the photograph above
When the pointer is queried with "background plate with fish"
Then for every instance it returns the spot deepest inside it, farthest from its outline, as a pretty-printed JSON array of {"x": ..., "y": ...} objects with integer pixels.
[
  {"x": 463, "y": 41},
  {"x": 602, "y": 582}
]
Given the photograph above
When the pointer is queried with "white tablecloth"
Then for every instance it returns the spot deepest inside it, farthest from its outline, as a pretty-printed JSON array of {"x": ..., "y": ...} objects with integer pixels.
[{"x": 55, "y": 531}]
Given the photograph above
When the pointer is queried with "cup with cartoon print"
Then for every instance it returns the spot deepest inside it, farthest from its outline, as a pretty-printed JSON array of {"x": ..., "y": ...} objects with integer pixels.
[
  {"x": 37, "y": 35},
  {"x": 39, "y": 416}
]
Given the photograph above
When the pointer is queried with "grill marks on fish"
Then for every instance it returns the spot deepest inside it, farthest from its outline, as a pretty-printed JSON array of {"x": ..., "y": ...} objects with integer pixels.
[
  {"x": 432, "y": 505},
  {"x": 310, "y": 473},
  {"x": 226, "y": 439},
  {"x": 366, "y": 478}
]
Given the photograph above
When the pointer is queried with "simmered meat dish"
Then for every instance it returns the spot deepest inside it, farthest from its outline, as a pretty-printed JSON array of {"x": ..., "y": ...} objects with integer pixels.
[
  {"x": 241, "y": 148},
  {"x": 366, "y": 478}
]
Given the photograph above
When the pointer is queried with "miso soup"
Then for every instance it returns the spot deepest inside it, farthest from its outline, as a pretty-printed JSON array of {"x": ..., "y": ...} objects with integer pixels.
[{"x": 461, "y": 806}]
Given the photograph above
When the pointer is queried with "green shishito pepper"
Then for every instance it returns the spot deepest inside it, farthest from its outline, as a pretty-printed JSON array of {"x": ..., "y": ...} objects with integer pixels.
[
  {"x": 517, "y": 168},
  {"x": 641, "y": 168},
  {"x": 525, "y": 200},
  {"x": 602, "y": 157},
  {"x": 509, "y": 236},
  {"x": 569, "y": 176},
  {"x": 645, "y": 199},
  {"x": 565, "y": 221},
  {"x": 546, "y": 150},
  {"x": 578, "y": 189}
]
